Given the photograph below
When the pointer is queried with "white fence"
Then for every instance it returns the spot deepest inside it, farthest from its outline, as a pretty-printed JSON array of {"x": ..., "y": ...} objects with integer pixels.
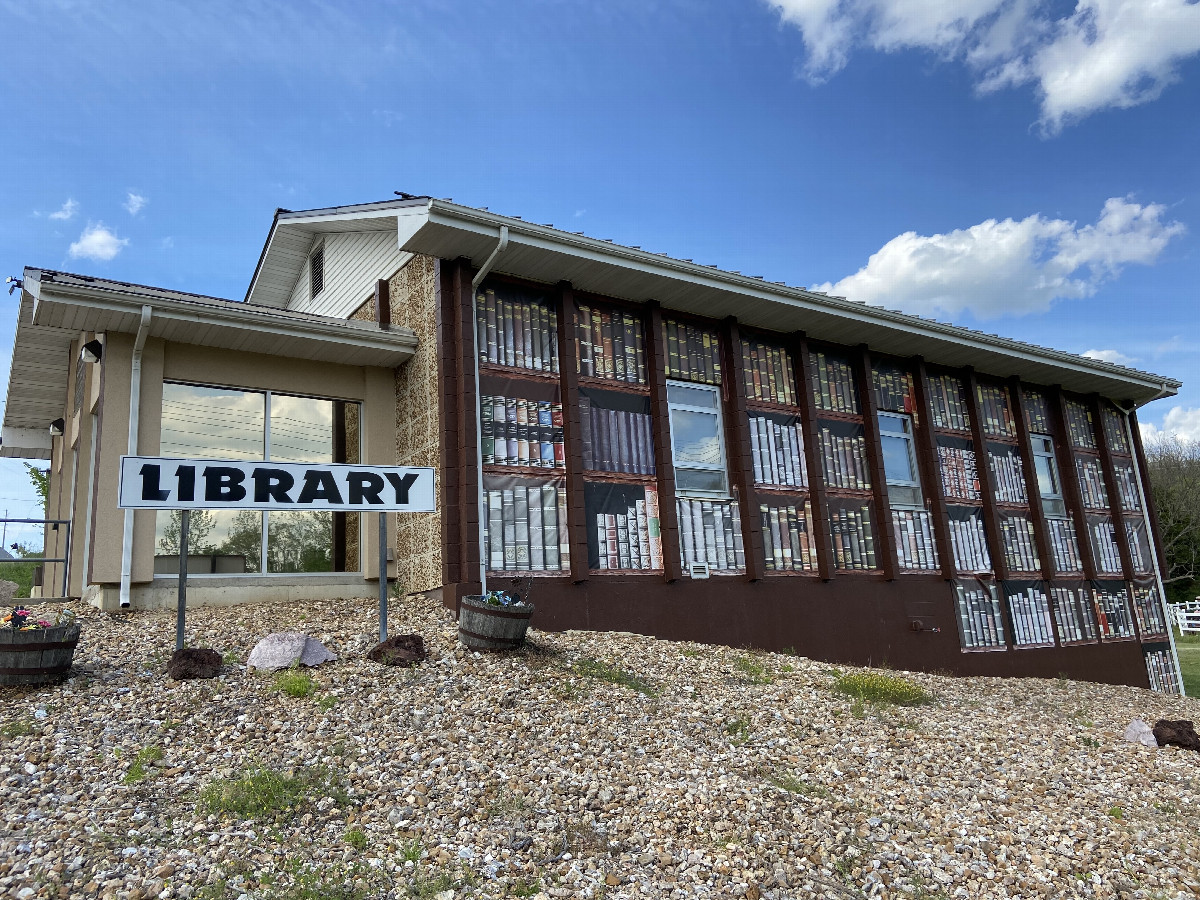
[{"x": 1187, "y": 616}]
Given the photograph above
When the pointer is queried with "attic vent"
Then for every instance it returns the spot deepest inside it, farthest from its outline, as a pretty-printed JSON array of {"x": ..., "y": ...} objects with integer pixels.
[
  {"x": 316, "y": 271},
  {"x": 698, "y": 570}
]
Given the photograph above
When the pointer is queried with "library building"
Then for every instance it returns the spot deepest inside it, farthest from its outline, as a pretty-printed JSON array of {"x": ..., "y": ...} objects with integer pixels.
[{"x": 650, "y": 444}]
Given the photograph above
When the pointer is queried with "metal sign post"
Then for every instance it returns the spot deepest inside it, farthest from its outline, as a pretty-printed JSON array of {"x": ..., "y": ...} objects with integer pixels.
[
  {"x": 383, "y": 561},
  {"x": 181, "y": 608}
]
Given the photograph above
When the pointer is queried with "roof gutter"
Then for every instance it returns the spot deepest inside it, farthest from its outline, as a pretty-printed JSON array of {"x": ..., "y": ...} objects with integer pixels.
[{"x": 135, "y": 397}]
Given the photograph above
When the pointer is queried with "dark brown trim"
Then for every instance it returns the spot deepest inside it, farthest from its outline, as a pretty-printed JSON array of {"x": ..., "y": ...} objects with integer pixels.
[
  {"x": 812, "y": 451},
  {"x": 383, "y": 304},
  {"x": 470, "y": 478},
  {"x": 568, "y": 374},
  {"x": 983, "y": 465},
  {"x": 737, "y": 444},
  {"x": 444, "y": 282},
  {"x": 1139, "y": 452},
  {"x": 1070, "y": 486},
  {"x": 1116, "y": 507},
  {"x": 930, "y": 466},
  {"x": 656, "y": 369},
  {"x": 1041, "y": 528},
  {"x": 885, "y": 538}
]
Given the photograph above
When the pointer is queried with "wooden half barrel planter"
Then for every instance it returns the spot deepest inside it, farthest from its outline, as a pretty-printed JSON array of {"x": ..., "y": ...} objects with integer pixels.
[
  {"x": 482, "y": 626},
  {"x": 38, "y": 656}
]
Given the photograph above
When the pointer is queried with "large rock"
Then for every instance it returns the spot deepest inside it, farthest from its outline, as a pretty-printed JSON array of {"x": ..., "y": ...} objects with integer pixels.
[
  {"x": 1138, "y": 732},
  {"x": 1178, "y": 732},
  {"x": 8, "y": 590},
  {"x": 285, "y": 648},
  {"x": 399, "y": 650},
  {"x": 194, "y": 662}
]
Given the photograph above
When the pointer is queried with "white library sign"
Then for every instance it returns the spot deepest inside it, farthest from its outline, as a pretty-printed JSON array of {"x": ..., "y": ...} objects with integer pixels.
[{"x": 155, "y": 482}]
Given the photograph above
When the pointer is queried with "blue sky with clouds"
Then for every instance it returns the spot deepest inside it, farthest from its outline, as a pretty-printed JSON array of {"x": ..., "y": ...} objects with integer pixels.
[{"x": 1025, "y": 167}]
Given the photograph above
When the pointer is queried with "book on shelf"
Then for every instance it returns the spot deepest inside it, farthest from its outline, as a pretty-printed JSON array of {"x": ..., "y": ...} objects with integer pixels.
[
  {"x": 844, "y": 460},
  {"x": 1149, "y": 611},
  {"x": 959, "y": 473},
  {"x": 1064, "y": 545},
  {"x": 1079, "y": 425},
  {"x": 1139, "y": 549},
  {"x": 1074, "y": 614},
  {"x": 1037, "y": 412},
  {"x": 1020, "y": 550},
  {"x": 615, "y": 440},
  {"x": 1127, "y": 488},
  {"x": 995, "y": 411},
  {"x": 1114, "y": 430},
  {"x": 692, "y": 353},
  {"x": 769, "y": 373},
  {"x": 1104, "y": 545},
  {"x": 915, "y": 546},
  {"x": 980, "y": 622},
  {"x": 710, "y": 531},
  {"x": 893, "y": 389},
  {"x": 852, "y": 537},
  {"x": 789, "y": 543},
  {"x": 777, "y": 451},
  {"x": 517, "y": 331},
  {"x": 948, "y": 402},
  {"x": 631, "y": 540},
  {"x": 1091, "y": 482},
  {"x": 1030, "y": 611},
  {"x": 1112, "y": 612},
  {"x": 519, "y": 432},
  {"x": 833, "y": 383},
  {"x": 1160, "y": 666},
  {"x": 969, "y": 541},
  {"x": 610, "y": 344},
  {"x": 526, "y": 528},
  {"x": 1009, "y": 473}
]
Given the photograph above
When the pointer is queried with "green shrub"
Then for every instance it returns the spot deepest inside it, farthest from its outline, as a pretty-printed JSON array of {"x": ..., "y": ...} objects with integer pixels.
[
  {"x": 881, "y": 688},
  {"x": 357, "y": 838},
  {"x": 752, "y": 671},
  {"x": 591, "y": 668},
  {"x": 295, "y": 683},
  {"x": 263, "y": 792},
  {"x": 137, "y": 770}
]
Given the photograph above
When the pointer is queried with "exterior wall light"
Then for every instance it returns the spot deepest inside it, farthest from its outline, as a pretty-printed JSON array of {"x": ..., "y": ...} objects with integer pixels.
[
  {"x": 57, "y": 427},
  {"x": 91, "y": 352}
]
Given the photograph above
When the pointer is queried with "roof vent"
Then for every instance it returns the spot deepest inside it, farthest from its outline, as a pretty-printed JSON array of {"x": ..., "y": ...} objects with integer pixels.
[{"x": 316, "y": 272}]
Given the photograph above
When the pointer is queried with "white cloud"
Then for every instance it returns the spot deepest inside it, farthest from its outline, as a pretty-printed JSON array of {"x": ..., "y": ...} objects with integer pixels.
[
  {"x": 1106, "y": 53},
  {"x": 98, "y": 243},
  {"x": 134, "y": 203},
  {"x": 1000, "y": 267},
  {"x": 67, "y": 212},
  {"x": 166, "y": 243},
  {"x": 1181, "y": 422},
  {"x": 1116, "y": 357}
]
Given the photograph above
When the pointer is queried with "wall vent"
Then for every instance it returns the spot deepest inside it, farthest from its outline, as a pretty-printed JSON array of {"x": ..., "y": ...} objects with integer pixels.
[
  {"x": 316, "y": 271},
  {"x": 698, "y": 570}
]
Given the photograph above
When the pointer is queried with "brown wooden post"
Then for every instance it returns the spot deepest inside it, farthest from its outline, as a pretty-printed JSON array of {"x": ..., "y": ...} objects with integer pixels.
[
  {"x": 1041, "y": 529},
  {"x": 1139, "y": 454},
  {"x": 660, "y": 414},
  {"x": 568, "y": 374},
  {"x": 812, "y": 453},
  {"x": 470, "y": 482},
  {"x": 1116, "y": 507},
  {"x": 741, "y": 465},
  {"x": 383, "y": 304},
  {"x": 448, "y": 414},
  {"x": 988, "y": 479},
  {"x": 930, "y": 465},
  {"x": 885, "y": 538},
  {"x": 1070, "y": 485},
  {"x": 339, "y": 455}
]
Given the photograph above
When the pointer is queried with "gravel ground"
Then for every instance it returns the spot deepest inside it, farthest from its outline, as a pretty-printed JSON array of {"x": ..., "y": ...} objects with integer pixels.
[{"x": 588, "y": 765}]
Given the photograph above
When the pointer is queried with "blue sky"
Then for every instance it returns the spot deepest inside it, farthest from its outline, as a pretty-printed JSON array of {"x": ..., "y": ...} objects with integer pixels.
[{"x": 1027, "y": 168}]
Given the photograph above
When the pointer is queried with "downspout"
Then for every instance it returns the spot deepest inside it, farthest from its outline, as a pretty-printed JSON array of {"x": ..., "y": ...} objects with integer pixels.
[
  {"x": 135, "y": 396},
  {"x": 501, "y": 246},
  {"x": 1150, "y": 542}
]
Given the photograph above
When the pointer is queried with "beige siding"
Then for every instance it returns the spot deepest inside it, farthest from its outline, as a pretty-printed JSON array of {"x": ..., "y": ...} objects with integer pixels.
[{"x": 353, "y": 263}]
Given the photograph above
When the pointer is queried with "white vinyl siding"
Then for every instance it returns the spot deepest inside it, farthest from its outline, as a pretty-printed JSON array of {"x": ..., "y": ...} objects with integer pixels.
[{"x": 353, "y": 263}]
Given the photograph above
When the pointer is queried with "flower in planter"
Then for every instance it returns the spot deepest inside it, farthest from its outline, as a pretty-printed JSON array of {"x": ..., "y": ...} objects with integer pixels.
[{"x": 19, "y": 620}]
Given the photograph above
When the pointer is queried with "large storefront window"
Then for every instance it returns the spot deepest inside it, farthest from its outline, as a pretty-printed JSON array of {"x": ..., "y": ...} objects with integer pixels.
[{"x": 225, "y": 423}]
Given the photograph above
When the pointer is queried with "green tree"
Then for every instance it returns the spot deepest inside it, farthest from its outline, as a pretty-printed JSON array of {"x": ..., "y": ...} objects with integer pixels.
[
  {"x": 1173, "y": 467},
  {"x": 41, "y": 483},
  {"x": 200, "y": 525},
  {"x": 245, "y": 539}
]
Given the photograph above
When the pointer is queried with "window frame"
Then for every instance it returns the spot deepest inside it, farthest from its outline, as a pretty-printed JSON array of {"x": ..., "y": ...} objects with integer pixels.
[
  {"x": 1051, "y": 457},
  {"x": 908, "y": 436},
  {"x": 717, "y": 412}
]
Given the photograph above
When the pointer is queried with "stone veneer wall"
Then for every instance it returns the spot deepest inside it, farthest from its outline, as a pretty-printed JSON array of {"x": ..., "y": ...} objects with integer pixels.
[{"x": 413, "y": 292}]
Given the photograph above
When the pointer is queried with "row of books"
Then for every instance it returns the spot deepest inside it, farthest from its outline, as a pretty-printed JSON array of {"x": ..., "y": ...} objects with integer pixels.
[
  {"x": 1037, "y": 412},
  {"x": 526, "y": 528},
  {"x": 1112, "y": 613},
  {"x": 1079, "y": 426},
  {"x": 769, "y": 373},
  {"x": 980, "y": 623},
  {"x": 915, "y": 546},
  {"x": 960, "y": 475},
  {"x": 615, "y": 440},
  {"x": 995, "y": 412},
  {"x": 1127, "y": 488},
  {"x": 853, "y": 538},
  {"x": 693, "y": 353},
  {"x": 778, "y": 452},
  {"x": 948, "y": 403},
  {"x": 1091, "y": 483},
  {"x": 1074, "y": 614},
  {"x": 1149, "y": 610},
  {"x": 610, "y": 345},
  {"x": 1030, "y": 611},
  {"x": 1010, "y": 477},
  {"x": 710, "y": 531},
  {"x": 1160, "y": 666},
  {"x": 970, "y": 545},
  {"x": 517, "y": 331},
  {"x": 633, "y": 539},
  {"x": 1064, "y": 546},
  {"x": 1020, "y": 551},
  {"x": 833, "y": 383},
  {"x": 844, "y": 460},
  {"x": 789, "y": 544},
  {"x": 1104, "y": 544},
  {"x": 517, "y": 432},
  {"x": 1114, "y": 430},
  {"x": 893, "y": 390},
  {"x": 1139, "y": 549}
]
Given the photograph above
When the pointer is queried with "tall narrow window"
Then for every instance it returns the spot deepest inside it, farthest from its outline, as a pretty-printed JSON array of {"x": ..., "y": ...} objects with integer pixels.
[
  {"x": 899, "y": 459},
  {"x": 697, "y": 443},
  {"x": 316, "y": 271},
  {"x": 1049, "y": 484}
]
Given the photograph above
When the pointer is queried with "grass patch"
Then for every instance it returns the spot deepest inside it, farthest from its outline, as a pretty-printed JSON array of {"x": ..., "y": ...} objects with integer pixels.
[
  {"x": 357, "y": 838},
  {"x": 882, "y": 689},
  {"x": 263, "y": 792},
  {"x": 791, "y": 783},
  {"x": 593, "y": 668},
  {"x": 137, "y": 769},
  {"x": 327, "y": 703},
  {"x": 752, "y": 671},
  {"x": 508, "y": 805},
  {"x": 430, "y": 885},
  {"x": 1188, "y": 646},
  {"x": 738, "y": 730},
  {"x": 295, "y": 683},
  {"x": 1117, "y": 813},
  {"x": 17, "y": 729}
]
